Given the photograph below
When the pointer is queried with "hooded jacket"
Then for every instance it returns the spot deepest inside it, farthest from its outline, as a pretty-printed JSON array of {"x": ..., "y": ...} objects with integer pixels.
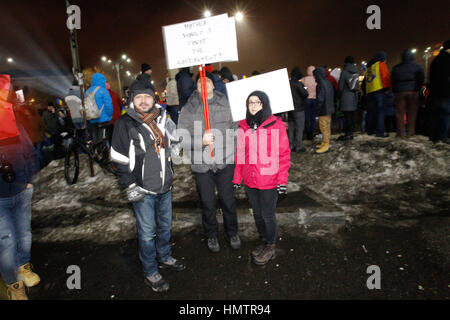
[
  {"x": 262, "y": 155},
  {"x": 348, "y": 98},
  {"x": 325, "y": 93},
  {"x": 408, "y": 75},
  {"x": 299, "y": 92},
  {"x": 102, "y": 98},
  {"x": 185, "y": 85},
  {"x": 191, "y": 122},
  {"x": 133, "y": 151},
  {"x": 440, "y": 75},
  {"x": 310, "y": 82}
]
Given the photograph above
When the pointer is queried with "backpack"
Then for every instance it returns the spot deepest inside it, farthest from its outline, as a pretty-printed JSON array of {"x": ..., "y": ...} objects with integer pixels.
[
  {"x": 90, "y": 105},
  {"x": 353, "y": 82}
]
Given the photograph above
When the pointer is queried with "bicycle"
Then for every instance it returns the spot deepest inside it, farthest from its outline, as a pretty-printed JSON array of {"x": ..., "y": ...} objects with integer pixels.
[{"x": 98, "y": 152}]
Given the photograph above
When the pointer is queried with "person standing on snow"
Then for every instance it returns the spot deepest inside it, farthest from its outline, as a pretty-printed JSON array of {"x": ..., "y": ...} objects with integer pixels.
[
  {"x": 212, "y": 173},
  {"x": 141, "y": 149},
  {"x": 407, "y": 79},
  {"x": 103, "y": 100},
  {"x": 310, "y": 104},
  {"x": 348, "y": 97},
  {"x": 258, "y": 134},
  {"x": 296, "y": 118},
  {"x": 325, "y": 108}
]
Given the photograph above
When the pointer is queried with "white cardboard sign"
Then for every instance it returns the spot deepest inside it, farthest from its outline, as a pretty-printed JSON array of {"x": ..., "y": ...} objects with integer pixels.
[
  {"x": 200, "y": 41},
  {"x": 275, "y": 84}
]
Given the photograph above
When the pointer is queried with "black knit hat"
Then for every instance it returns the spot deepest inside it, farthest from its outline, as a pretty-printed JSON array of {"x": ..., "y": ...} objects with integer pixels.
[
  {"x": 208, "y": 75},
  {"x": 349, "y": 59},
  {"x": 446, "y": 45},
  {"x": 141, "y": 85},
  {"x": 145, "y": 67}
]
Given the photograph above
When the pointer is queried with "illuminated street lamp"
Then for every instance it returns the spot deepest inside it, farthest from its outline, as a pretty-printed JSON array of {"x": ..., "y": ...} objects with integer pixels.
[
  {"x": 10, "y": 60},
  {"x": 103, "y": 58},
  {"x": 117, "y": 66},
  {"x": 207, "y": 14},
  {"x": 427, "y": 54},
  {"x": 239, "y": 16},
  {"x": 414, "y": 50}
]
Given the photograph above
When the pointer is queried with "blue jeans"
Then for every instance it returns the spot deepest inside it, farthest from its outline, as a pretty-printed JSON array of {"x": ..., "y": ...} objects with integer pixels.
[
  {"x": 310, "y": 117},
  {"x": 154, "y": 224},
  {"x": 15, "y": 233},
  {"x": 375, "y": 114}
]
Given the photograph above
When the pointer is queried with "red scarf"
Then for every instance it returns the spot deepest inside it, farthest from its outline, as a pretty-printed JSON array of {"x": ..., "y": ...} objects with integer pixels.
[{"x": 149, "y": 119}]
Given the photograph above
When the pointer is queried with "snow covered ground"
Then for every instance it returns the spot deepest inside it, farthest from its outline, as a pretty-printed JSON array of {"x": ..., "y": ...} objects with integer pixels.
[{"x": 373, "y": 181}]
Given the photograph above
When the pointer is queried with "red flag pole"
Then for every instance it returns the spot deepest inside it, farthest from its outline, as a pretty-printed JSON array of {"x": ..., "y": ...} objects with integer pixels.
[{"x": 205, "y": 103}]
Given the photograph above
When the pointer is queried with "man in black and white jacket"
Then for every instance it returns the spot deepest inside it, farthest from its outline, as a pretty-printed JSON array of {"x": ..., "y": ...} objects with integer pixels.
[{"x": 141, "y": 150}]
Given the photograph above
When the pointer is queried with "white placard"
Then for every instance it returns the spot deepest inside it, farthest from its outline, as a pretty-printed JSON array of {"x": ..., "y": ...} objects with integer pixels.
[
  {"x": 200, "y": 41},
  {"x": 275, "y": 84}
]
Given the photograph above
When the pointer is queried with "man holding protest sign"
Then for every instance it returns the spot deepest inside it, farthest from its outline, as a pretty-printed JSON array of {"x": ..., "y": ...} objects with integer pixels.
[{"x": 216, "y": 171}]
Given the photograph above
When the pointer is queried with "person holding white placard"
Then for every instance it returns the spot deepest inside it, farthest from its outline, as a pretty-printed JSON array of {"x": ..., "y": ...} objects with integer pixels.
[
  {"x": 218, "y": 171},
  {"x": 262, "y": 162}
]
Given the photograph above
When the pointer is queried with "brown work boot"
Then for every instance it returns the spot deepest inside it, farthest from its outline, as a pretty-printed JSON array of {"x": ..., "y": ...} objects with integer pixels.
[
  {"x": 267, "y": 254},
  {"x": 16, "y": 291}
]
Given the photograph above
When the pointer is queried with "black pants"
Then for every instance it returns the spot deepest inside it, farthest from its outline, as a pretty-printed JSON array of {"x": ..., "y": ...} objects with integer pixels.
[
  {"x": 264, "y": 204},
  {"x": 296, "y": 126},
  {"x": 206, "y": 185},
  {"x": 349, "y": 122}
]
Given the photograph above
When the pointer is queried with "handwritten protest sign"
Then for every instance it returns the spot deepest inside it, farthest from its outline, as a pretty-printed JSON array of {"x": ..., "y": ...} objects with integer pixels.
[
  {"x": 275, "y": 84},
  {"x": 201, "y": 41}
]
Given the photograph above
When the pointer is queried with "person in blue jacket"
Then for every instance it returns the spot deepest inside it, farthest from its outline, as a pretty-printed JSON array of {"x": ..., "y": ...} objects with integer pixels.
[
  {"x": 185, "y": 85},
  {"x": 103, "y": 99}
]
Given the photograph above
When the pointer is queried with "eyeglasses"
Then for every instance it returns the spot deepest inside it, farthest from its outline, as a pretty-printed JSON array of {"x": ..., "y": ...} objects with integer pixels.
[{"x": 256, "y": 103}]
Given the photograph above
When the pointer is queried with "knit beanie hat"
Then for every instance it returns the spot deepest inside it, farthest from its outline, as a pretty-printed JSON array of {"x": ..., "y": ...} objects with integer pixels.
[
  {"x": 145, "y": 67},
  {"x": 139, "y": 86},
  {"x": 349, "y": 59}
]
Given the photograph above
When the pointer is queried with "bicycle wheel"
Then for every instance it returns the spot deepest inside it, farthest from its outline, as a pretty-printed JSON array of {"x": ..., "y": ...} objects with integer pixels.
[{"x": 71, "y": 166}]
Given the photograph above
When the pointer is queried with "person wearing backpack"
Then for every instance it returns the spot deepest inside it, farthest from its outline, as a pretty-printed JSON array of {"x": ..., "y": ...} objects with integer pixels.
[
  {"x": 347, "y": 92},
  {"x": 102, "y": 100}
]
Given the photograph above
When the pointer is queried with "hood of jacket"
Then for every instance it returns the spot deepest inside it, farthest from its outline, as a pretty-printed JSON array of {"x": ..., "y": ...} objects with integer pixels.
[
  {"x": 319, "y": 73},
  {"x": 408, "y": 56},
  {"x": 98, "y": 80},
  {"x": 310, "y": 70},
  {"x": 266, "y": 109},
  {"x": 351, "y": 67},
  {"x": 296, "y": 74},
  {"x": 183, "y": 71}
]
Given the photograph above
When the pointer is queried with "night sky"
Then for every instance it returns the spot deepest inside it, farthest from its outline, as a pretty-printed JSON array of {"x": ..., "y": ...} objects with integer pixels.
[{"x": 274, "y": 34}]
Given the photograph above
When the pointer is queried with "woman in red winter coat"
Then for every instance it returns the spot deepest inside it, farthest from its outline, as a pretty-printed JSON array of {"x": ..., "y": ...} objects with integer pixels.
[{"x": 262, "y": 161}]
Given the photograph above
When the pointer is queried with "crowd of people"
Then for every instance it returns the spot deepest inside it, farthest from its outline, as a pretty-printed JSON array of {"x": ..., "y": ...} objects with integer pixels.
[{"x": 258, "y": 157}]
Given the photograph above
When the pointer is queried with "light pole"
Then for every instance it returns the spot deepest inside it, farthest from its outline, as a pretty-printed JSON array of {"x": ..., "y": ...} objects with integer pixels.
[
  {"x": 117, "y": 66},
  {"x": 427, "y": 54}
]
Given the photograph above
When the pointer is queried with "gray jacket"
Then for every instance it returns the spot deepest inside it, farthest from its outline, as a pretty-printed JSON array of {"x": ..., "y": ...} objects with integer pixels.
[
  {"x": 348, "y": 98},
  {"x": 220, "y": 120}
]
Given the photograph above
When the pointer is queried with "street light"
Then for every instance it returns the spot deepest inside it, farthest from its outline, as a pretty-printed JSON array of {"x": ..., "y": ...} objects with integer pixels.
[
  {"x": 207, "y": 14},
  {"x": 414, "y": 50},
  {"x": 117, "y": 66},
  {"x": 427, "y": 54},
  {"x": 10, "y": 60},
  {"x": 103, "y": 58},
  {"x": 239, "y": 16},
  {"x": 124, "y": 56}
]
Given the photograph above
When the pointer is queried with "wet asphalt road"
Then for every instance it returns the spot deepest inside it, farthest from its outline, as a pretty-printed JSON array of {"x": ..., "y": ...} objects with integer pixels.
[{"x": 328, "y": 267}]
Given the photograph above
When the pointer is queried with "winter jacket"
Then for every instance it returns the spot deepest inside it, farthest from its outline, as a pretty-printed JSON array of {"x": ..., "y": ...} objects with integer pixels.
[
  {"x": 440, "y": 75},
  {"x": 51, "y": 122},
  {"x": 220, "y": 119},
  {"x": 332, "y": 80},
  {"x": 299, "y": 94},
  {"x": 325, "y": 93},
  {"x": 117, "y": 104},
  {"x": 408, "y": 75},
  {"x": 133, "y": 151},
  {"x": 8, "y": 128},
  {"x": 102, "y": 98},
  {"x": 73, "y": 101},
  {"x": 377, "y": 78},
  {"x": 172, "y": 93},
  {"x": 348, "y": 98},
  {"x": 219, "y": 85},
  {"x": 19, "y": 152},
  {"x": 310, "y": 82},
  {"x": 185, "y": 85},
  {"x": 263, "y": 155}
]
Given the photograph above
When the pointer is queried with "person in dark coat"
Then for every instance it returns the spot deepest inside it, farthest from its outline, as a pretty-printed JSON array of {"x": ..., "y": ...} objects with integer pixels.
[
  {"x": 185, "y": 85},
  {"x": 325, "y": 108},
  {"x": 348, "y": 97},
  {"x": 296, "y": 118},
  {"x": 407, "y": 79},
  {"x": 440, "y": 95}
]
